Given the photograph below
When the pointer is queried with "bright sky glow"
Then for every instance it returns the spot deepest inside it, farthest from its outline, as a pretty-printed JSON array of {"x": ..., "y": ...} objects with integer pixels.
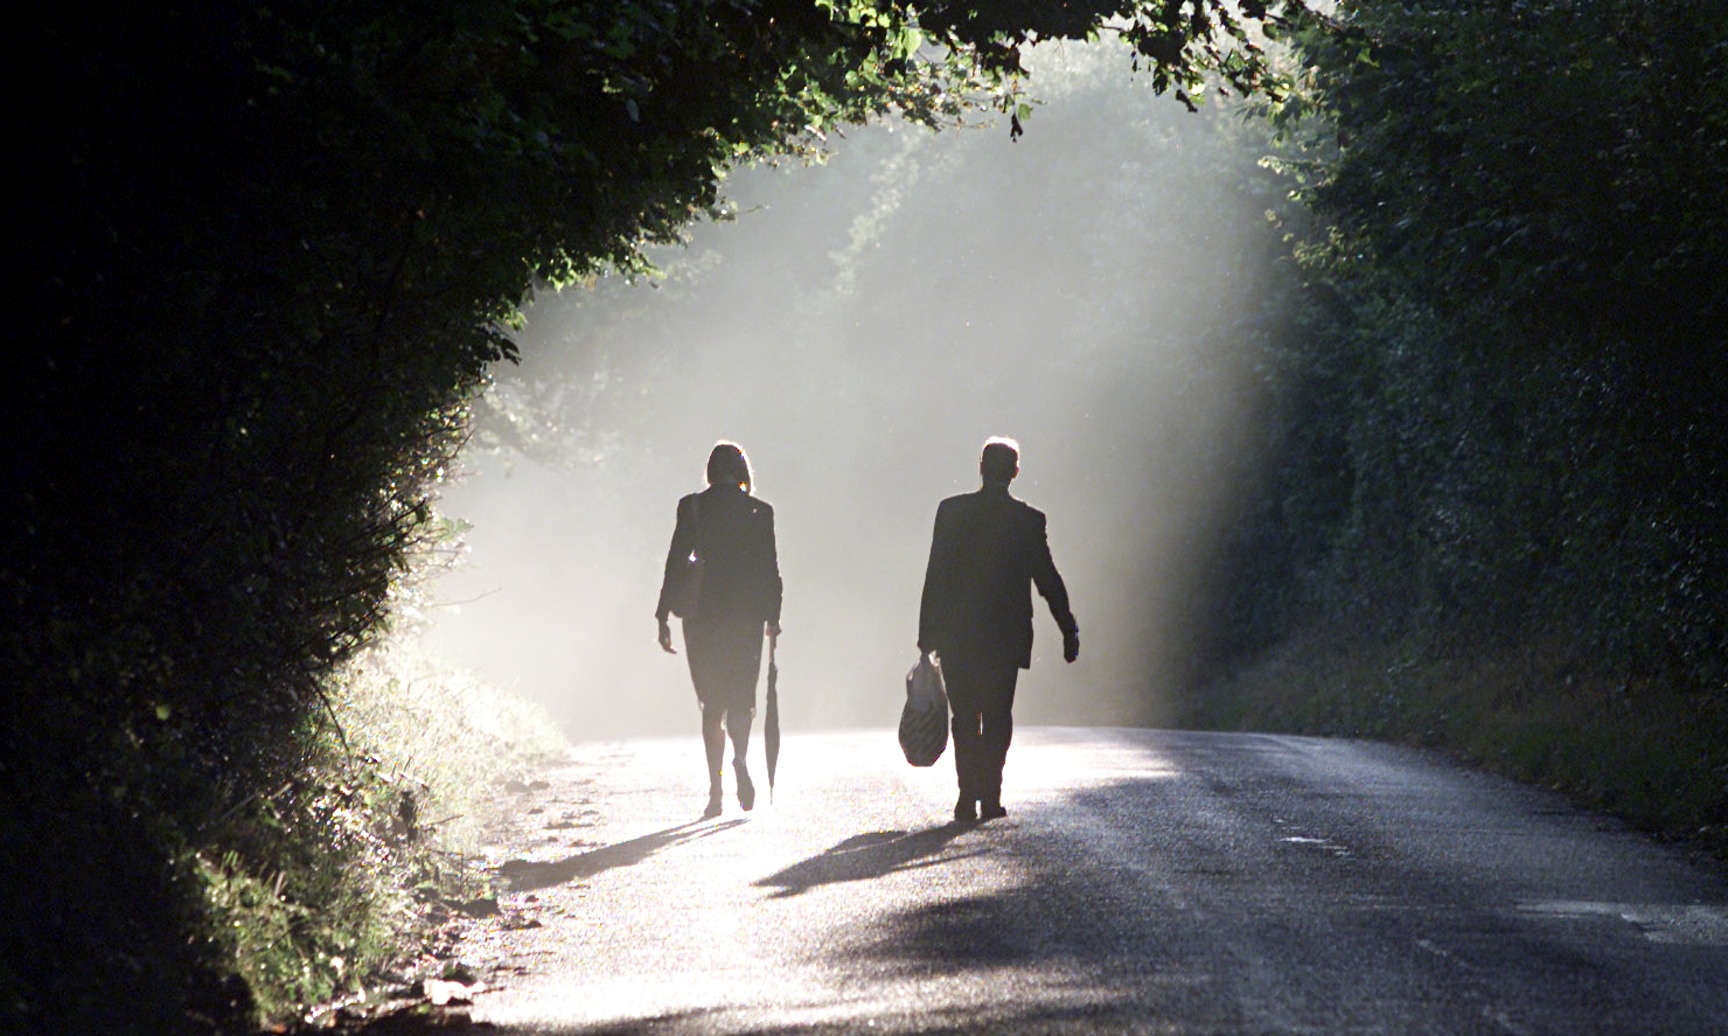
[{"x": 862, "y": 329}]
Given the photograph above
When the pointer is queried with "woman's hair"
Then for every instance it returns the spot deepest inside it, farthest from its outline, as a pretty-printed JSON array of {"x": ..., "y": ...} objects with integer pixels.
[{"x": 727, "y": 465}]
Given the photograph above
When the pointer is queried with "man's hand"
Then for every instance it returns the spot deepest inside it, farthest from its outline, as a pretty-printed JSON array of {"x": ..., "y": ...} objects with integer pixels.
[
  {"x": 666, "y": 638},
  {"x": 1071, "y": 646},
  {"x": 773, "y": 629}
]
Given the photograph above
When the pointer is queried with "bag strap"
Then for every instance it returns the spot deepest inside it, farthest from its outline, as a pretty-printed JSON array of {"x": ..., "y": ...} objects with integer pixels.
[{"x": 696, "y": 524}]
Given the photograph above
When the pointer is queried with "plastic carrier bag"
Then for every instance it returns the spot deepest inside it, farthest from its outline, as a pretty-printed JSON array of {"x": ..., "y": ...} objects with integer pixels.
[{"x": 924, "y": 719}]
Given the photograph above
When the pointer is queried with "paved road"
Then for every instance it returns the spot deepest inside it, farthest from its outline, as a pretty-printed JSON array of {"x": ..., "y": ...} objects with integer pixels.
[{"x": 1144, "y": 882}]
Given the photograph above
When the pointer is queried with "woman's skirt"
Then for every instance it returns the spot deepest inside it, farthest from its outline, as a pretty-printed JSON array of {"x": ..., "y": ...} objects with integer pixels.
[{"x": 725, "y": 656}]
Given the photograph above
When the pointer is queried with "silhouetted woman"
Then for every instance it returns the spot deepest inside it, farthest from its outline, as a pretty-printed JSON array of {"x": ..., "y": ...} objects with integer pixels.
[{"x": 733, "y": 534}]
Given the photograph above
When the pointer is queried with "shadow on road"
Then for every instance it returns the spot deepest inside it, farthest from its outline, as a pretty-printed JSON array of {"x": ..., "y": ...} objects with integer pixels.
[
  {"x": 527, "y": 875},
  {"x": 1082, "y": 1014},
  {"x": 867, "y": 856}
]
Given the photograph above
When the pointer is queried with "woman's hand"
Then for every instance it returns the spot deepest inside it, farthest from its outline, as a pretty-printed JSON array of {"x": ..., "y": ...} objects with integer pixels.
[
  {"x": 666, "y": 638},
  {"x": 773, "y": 629}
]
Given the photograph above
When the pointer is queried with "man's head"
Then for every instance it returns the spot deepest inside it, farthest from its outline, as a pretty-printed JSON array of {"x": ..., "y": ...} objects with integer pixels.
[{"x": 1000, "y": 461}]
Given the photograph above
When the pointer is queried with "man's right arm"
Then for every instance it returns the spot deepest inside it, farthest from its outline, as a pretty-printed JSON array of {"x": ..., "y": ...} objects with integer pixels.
[
  {"x": 1055, "y": 592},
  {"x": 933, "y": 603}
]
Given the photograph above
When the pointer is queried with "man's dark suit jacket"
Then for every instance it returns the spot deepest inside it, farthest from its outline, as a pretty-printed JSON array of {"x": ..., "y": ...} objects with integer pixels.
[{"x": 986, "y": 554}]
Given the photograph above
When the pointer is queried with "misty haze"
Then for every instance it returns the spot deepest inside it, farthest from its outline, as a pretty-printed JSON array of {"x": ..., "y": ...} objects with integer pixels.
[{"x": 860, "y": 329}]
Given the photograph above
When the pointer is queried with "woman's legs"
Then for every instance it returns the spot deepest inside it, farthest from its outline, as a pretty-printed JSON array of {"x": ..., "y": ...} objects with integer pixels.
[
  {"x": 738, "y": 726},
  {"x": 717, "y": 725},
  {"x": 738, "y": 722},
  {"x": 725, "y": 658},
  {"x": 714, "y": 745}
]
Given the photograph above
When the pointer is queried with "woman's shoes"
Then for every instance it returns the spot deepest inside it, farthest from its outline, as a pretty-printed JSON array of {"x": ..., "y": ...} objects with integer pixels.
[
  {"x": 991, "y": 809},
  {"x": 966, "y": 810},
  {"x": 746, "y": 789},
  {"x": 746, "y": 792}
]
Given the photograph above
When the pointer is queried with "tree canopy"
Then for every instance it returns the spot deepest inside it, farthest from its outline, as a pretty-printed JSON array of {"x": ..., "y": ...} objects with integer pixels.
[
  {"x": 266, "y": 255},
  {"x": 1501, "y": 449}
]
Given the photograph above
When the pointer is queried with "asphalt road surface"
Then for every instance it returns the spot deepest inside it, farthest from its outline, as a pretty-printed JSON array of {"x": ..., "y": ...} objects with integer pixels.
[{"x": 1144, "y": 882}]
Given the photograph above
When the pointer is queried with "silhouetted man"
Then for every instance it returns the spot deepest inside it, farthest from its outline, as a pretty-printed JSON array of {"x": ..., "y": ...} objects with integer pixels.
[{"x": 986, "y": 554}]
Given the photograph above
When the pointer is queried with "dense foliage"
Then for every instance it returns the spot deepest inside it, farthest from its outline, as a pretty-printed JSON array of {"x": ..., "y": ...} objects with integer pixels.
[
  {"x": 264, "y": 257},
  {"x": 1503, "y": 445}
]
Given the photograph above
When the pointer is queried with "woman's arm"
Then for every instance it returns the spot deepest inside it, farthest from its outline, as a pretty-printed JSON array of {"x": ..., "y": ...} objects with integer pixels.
[{"x": 683, "y": 541}]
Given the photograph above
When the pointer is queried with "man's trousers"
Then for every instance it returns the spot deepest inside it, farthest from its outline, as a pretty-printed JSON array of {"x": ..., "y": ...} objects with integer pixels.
[{"x": 981, "y": 694}]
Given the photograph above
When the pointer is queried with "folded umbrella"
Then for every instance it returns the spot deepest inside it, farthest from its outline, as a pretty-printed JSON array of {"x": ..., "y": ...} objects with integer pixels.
[{"x": 771, "y": 719}]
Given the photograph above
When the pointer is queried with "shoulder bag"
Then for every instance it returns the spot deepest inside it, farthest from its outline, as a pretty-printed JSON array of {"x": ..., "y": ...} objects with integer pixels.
[{"x": 687, "y": 578}]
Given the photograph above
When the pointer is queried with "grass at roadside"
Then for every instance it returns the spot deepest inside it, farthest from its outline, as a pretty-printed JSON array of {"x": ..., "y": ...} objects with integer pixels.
[
  {"x": 1655, "y": 757},
  {"x": 335, "y": 884}
]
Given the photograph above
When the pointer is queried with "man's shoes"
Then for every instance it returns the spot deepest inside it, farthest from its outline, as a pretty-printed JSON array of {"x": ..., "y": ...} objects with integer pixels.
[
  {"x": 746, "y": 788},
  {"x": 966, "y": 810},
  {"x": 713, "y": 809},
  {"x": 991, "y": 809}
]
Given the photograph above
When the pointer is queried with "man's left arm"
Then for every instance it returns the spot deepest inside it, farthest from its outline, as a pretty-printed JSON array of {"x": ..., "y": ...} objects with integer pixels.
[{"x": 1054, "y": 591}]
